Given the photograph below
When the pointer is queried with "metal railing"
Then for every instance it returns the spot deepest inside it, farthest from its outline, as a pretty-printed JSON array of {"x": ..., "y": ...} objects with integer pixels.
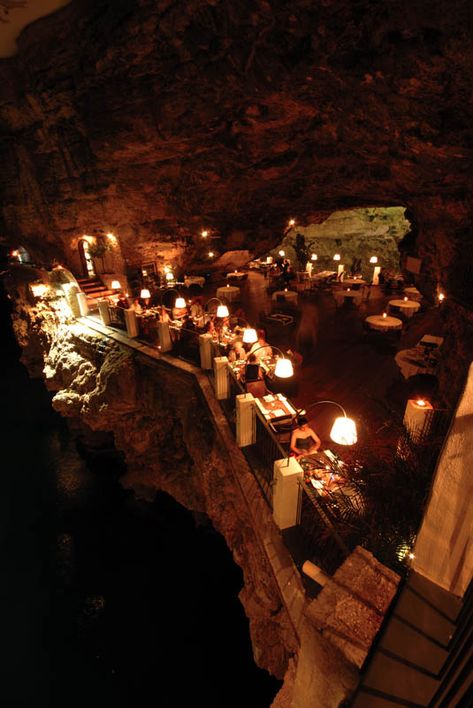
[{"x": 263, "y": 454}]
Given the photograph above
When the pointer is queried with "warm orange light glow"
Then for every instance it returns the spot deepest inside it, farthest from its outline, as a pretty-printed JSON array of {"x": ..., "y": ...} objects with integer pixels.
[
  {"x": 406, "y": 299},
  {"x": 111, "y": 237},
  {"x": 211, "y": 254},
  {"x": 292, "y": 222},
  {"x": 420, "y": 402},
  {"x": 115, "y": 285},
  {"x": 145, "y": 294},
  {"x": 374, "y": 259},
  {"x": 169, "y": 275},
  {"x": 204, "y": 233},
  {"x": 441, "y": 297},
  {"x": 384, "y": 314},
  {"x": 39, "y": 289},
  {"x": 336, "y": 257},
  {"x": 313, "y": 257},
  {"x": 282, "y": 253}
]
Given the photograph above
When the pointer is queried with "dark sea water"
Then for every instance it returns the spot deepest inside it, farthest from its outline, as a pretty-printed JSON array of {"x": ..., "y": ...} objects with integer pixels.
[{"x": 107, "y": 601}]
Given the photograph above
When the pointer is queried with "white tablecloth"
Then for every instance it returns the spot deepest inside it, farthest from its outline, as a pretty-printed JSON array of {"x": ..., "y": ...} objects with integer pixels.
[
  {"x": 230, "y": 293},
  {"x": 194, "y": 280},
  {"x": 239, "y": 275},
  {"x": 347, "y": 296},
  {"x": 413, "y": 294},
  {"x": 289, "y": 296},
  {"x": 383, "y": 324},
  {"x": 408, "y": 307},
  {"x": 411, "y": 364},
  {"x": 350, "y": 282}
]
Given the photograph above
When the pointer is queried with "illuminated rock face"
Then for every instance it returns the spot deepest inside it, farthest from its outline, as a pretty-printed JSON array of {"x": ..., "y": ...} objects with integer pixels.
[{"x": 157, "y": 119}]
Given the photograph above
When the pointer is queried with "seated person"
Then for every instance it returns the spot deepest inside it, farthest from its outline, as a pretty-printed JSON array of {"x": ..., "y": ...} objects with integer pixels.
[
  {"x": 197, "y": 311},
  {"x": 252, "y": 371},
  {"x": 136, "y": 306},
  {"x": 163, "y": 314},
  {"x": 304, "y": 440},
  {"x": 209, "y": 328},
  {"x": 237, "y": 352},
  {"x": 261, "y": 348},
  {"x": 122, "y": 302}
]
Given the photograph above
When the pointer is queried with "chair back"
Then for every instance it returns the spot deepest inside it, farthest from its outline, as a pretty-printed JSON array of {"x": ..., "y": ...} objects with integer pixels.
[{"x": 256, "y": 388}]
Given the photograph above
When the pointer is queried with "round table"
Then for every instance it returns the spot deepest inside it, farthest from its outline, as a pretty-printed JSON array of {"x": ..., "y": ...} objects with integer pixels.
[
  {"x": 353, "y": 296},
  {"x": 194, "y": 280},
  {"x": 237, "y": 275},
  {"x": 230, "y": 293},
  {"x": 288, "y": 295},
  {"x": 350, "y": 282},
  {"x": 408, "y": 307},
  {"x": 413, "y": 294},
  {"x": 383, "y": 324}
]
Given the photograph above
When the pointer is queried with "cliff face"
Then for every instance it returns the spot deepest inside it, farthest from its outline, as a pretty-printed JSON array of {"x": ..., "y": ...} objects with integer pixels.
[{"x": 156, "y": 119}]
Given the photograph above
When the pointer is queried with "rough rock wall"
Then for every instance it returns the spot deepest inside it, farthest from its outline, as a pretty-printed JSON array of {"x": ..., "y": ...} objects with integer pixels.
[
  {"x": 155, "y": 119},
  {"x": 160, "y": 422}
]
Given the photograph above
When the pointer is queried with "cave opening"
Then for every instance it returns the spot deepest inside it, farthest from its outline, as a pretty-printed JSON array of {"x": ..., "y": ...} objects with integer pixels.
[{"x": 351, "y": 241}]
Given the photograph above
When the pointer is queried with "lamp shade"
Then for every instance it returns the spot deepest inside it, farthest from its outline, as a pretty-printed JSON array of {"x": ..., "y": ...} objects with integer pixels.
[
  {"x": 116, "y": 285},
  {"x": 282, "y": 253},
  {"x": 374, "y": 259},
  {"x": 180, "y": 302},
  {"x": 283, "y": 369},
  {"x": 169, "y": 276},
  {"x": 336, "y": 257},
  {"x": 222, "y": 311},
  {"x": 145, "y": 294},
  {"x": 313, "y": 257},
  {"x": 344, "y": 431},
  {"x": 249, "y": 336}
]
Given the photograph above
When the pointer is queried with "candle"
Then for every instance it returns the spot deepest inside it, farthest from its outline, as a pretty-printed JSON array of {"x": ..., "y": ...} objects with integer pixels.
[{"x": 384, "y": 314}]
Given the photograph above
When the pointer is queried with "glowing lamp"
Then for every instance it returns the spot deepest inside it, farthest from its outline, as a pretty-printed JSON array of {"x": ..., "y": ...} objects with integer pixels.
[
  {"x": 420, "y": 402},
  {"x": 406, "y": 299},
  {"x": 313, "y": 257},
  {"x": 292, "y": 222},
  {"x": 344, "y": 431},
  {"x": 348, "y": 290},
  {"x": 211, "y": 254},
  {"x": 15, "y": 254},
  {"x": 384, "y": 315},
  {"x": 228, "y": 285},
  {"x": 222, "y": 311},
  {"x": 285, "y": 290},
  {"x": 180, "y": 303},
  {"x": 169, "y": 275},
  {"x": 116, "y": 285},
  {"x": 145, "y": 294},
  {"x": 249, "y": 336},
  {"x": 336, "y": 257},
  {"x": 204, "y": 233},
  {"x": 441, "y": 297},
  {"x": 283, "y": 369},
  {"x": 282, "y": 253},
  {"x": 374, "y": 259}
]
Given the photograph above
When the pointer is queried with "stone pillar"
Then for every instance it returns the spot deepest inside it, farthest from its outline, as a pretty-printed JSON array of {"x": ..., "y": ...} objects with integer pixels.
[
  {"x": 286, "y": 492},
  {"x": 205, "y": 348},
  {"x": 341, "y": 269},
  {"x": 131, "y": 323},
  {"x": 376, "y": 272},
  {"x": 164, "y": 337},
  {"x": 245, "y": 420},
  {"x": 222, "y": 384},
  {"x": 104, "y": 313},
  {"x": 418, "y": 418},
  {"x": 82, "y": 302}
]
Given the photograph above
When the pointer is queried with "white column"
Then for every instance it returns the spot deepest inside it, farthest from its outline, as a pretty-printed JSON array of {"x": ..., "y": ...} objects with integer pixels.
[
  {"x": 205, "y": 348},
  {"x": 164, "y": 337},
  {"x": 82, "y": 302},
  {"x": 222, "y": 384},
  {"x": 341, "y": 268},
  {"x": 131, "y": 323},
  {"x": 104, "y": 313},
  {"x": 245, "y": 420},
  {"x": 418, "y": 418},
  {"x": 286, "y": 491},
  {"x": 376, "y": 272}
]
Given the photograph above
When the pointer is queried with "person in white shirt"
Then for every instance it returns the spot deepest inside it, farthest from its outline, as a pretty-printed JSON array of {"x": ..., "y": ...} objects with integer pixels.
[{"x": 261, "y": 349}]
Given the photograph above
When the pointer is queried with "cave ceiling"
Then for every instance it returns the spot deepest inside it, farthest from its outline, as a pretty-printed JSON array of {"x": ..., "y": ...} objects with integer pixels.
[{"x": 157, "y": 119}]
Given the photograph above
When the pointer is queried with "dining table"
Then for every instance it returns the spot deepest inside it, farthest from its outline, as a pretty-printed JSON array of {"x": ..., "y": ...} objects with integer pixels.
[
  {"x": 290, "y": 296},
  {"x": 407, "y": 307},
  {"x": 383, "y": 324},
  {"x": 229, "y": 293},
  {"x": 347, "y": 296},
  {"x": 275, "y": 407},
  {"x": 237, "y": 275},
  {"x": 413, "y": 294},
  {"x": 353, "y": 282}
]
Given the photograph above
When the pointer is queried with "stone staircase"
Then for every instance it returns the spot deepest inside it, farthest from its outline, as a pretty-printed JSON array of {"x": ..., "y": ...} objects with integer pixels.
[{"x": 94, "y": 289}]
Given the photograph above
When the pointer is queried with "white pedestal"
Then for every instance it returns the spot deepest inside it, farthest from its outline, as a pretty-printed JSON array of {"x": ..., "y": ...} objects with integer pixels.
[
  {"x": 82, "y": 302},
  {"x": 164, "y": 337},
  {"x": 418, "y": 419},
  {"x": 222, "y": 384},
  {"x": 286, "y": 492},
  {"x": 131, "y": 323},
  {"x": 104, "y": 312},
  {"x": 205, "y": 349},
  {"x": 308, "y": 268},
  {"x": 341, "y": 269},
  {"x": 245, "y": 420},
  {"x": 376, "y": 272}
]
